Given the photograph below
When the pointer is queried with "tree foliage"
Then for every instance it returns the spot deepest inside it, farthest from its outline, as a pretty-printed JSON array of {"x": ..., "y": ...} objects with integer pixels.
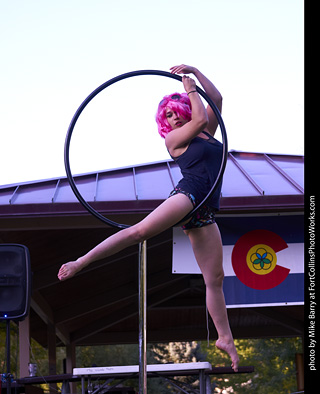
[
  {"x": 178, "y": 352},
  {"x": 273, "y": 360}
]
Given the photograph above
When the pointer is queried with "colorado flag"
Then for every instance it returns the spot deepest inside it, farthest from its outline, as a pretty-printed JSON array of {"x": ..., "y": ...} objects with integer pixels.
[{"x": 263, "y": 259}]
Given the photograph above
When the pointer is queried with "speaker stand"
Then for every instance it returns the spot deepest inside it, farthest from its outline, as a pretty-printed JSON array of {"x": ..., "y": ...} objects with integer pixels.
[{"x": 8, "y": 376}]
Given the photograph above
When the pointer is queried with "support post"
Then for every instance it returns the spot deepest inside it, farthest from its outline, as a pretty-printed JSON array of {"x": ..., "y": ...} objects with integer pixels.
[
  {"x": 24, "y": 347},
  {"x": 300, "y": 371},
  {"x": 143, "y": 317},
  {"x": 52, "y": 358},
  {"x": 71, "y": 363}
]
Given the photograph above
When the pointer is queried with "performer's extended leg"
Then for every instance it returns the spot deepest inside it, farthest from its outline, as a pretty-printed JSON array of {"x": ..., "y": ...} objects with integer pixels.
[
  {"x": 207, "y": 248},
  {"x": 163, "y": 217}
]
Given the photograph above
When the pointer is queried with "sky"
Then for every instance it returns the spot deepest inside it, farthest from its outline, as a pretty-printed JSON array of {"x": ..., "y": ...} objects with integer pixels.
[{"x": 55, "y": 53}]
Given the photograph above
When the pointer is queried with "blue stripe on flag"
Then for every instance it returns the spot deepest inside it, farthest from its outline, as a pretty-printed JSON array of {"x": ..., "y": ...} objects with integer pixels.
[
  {"x": 291, "y": 290},
  {"x": 290, "y": 227}
]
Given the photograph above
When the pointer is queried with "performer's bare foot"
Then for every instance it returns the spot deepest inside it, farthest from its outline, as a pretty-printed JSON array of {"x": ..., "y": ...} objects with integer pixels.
[
  {"x": 68, "y": 270},
  {"x": 230, "y": 348}
]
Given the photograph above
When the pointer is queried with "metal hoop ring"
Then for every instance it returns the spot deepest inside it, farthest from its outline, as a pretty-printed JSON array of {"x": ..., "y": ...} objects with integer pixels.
[{"x": 104, "y": 86}]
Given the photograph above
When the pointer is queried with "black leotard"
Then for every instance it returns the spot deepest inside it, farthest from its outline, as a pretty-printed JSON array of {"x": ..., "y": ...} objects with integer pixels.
[{"x": 200, "y": 165}]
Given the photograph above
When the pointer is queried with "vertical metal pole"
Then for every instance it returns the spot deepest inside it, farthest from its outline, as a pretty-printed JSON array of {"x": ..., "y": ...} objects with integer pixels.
[
  {"x": 202, "y": 382},
  {"x": 83, "y": 387},
  {"x": 143, "y": 317},
  {"x": 8, "y": 376}
]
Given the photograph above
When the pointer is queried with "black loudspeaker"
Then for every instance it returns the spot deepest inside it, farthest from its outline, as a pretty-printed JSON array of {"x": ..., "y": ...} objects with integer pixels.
[{"x": 15, "y": 281}]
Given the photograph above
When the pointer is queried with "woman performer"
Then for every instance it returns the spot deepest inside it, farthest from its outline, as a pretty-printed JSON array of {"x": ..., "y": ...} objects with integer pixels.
[{"x": 188, "y": 129}]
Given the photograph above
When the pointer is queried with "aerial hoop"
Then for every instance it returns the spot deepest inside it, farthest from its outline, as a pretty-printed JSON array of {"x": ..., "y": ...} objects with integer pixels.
[{"x": 84, "y": 203}]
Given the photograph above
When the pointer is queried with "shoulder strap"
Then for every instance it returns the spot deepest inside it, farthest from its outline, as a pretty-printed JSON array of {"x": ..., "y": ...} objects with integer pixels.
[{"x": 207, "y": 134}]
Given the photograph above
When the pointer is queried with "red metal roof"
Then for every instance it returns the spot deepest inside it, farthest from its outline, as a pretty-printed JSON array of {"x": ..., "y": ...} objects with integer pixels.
[{"x": 251, "y": 181}]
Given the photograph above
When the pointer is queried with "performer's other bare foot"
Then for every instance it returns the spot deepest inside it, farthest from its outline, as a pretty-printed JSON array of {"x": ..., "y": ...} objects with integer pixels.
[
  {"x": 229, "y": 347},
  {"x": 68, "y": 270}
]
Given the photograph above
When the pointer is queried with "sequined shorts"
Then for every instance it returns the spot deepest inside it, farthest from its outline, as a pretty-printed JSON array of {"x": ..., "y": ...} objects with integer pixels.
[{"x": 203, "y": 217}]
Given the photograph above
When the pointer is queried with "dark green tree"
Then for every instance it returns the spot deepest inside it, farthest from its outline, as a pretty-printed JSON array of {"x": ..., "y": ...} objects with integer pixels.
[
  {"x": 273, "y": 360},
  {"x": 179, "y": 352}
]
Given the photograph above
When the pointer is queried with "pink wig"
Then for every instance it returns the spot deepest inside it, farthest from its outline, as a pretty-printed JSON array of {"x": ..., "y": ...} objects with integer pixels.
[{"x": 180, "y": 103}]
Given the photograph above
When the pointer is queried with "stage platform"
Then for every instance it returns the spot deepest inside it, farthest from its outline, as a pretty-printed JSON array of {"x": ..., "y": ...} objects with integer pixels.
[{"x": 166, "y": 371}]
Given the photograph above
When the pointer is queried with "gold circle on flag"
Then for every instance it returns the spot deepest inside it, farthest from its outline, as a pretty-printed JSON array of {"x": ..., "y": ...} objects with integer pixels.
[{"x": 261, "y": 259}]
